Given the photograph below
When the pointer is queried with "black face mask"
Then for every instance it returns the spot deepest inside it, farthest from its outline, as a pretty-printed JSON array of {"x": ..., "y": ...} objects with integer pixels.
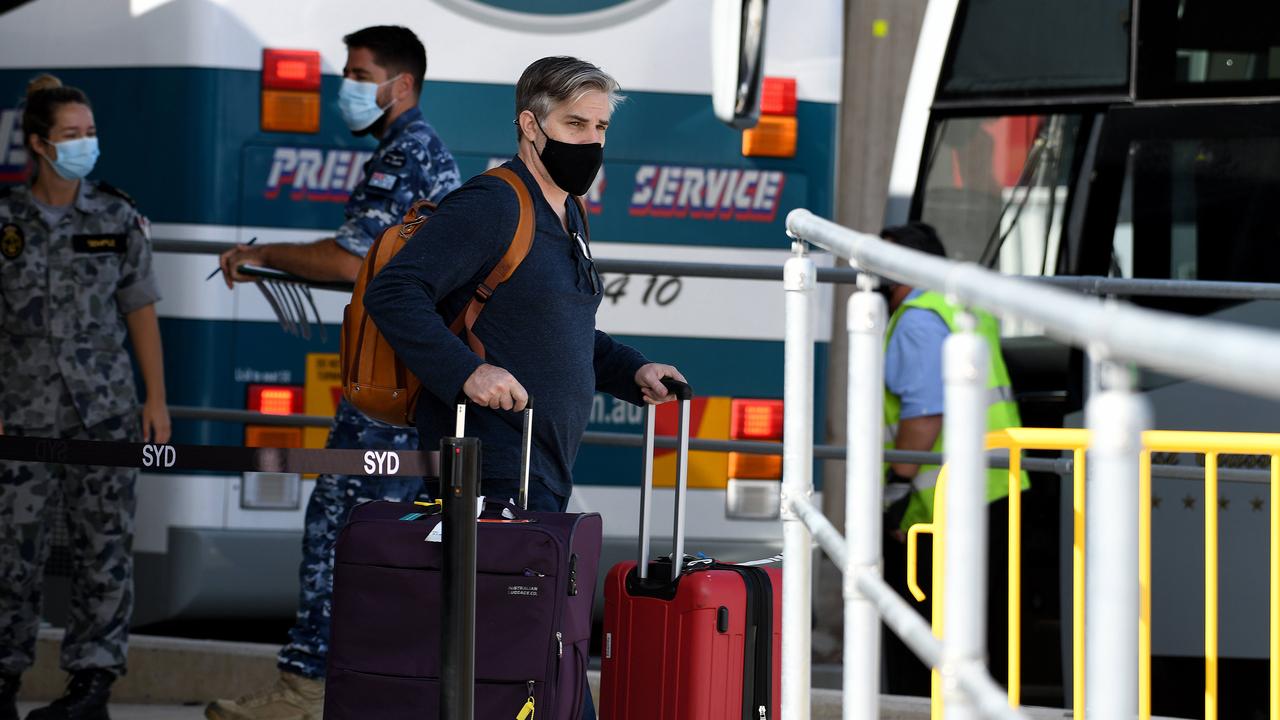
[{"x": 572, "y": 167}]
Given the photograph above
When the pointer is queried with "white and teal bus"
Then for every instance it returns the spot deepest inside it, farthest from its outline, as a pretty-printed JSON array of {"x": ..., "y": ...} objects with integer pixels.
[{"x": 219, "y": 118}]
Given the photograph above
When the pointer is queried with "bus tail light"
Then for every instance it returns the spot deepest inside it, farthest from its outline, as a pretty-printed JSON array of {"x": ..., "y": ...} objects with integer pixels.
[
  {"x": 778, "y": 96},
  {"x": 291, "y": 70},
  {"x": 274, "y": 400},
  {"x": 756, "y": 420},
  {"x": 290, "y": 111},
  {"x": 290, "y": 91},
  {"x": 772, "y": 137},
  {"x": 271, "y": 490},
  {"x": 753, "y": 491},
  {"x": 272, "y": 436},
  {"x": 776, "y": 133},
  {"x": 755, "y": 467}
]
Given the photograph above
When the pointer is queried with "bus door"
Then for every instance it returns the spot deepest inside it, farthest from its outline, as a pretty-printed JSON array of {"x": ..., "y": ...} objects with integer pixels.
[{"x": 1189, "y": 191}]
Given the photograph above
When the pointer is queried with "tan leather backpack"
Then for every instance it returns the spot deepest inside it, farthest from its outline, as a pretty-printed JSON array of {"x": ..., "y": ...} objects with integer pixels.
[{"x": 373, "y": 378}]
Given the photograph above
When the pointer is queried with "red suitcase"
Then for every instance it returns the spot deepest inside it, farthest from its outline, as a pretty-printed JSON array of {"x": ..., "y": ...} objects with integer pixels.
[{"x": 706, "y": 646}]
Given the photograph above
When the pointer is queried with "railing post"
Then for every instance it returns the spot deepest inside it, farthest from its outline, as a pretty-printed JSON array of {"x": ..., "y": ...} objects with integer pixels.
[
  {"x": 799, "y": 283},
  {"x": 966, "y": 363},
  {"x": 863, "y": 525},
  {"x": 1116, "y": 417}
]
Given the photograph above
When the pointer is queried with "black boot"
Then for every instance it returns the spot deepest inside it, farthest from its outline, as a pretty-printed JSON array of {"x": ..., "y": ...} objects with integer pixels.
[
  {"x": 9, "y": 685},
  {"x": 85, "y": 698}
]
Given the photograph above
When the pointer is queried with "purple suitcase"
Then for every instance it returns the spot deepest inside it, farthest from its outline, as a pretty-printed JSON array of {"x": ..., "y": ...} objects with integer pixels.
[{"x": 535, "y": 585}]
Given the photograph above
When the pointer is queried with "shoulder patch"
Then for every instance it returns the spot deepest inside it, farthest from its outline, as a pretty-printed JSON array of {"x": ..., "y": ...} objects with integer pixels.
[
  {"x": 394, "y": 159},
  {"x": 383, "y": 181},
  {"x": 113, "y": 190},
  {"x": 12, "y": 241}
]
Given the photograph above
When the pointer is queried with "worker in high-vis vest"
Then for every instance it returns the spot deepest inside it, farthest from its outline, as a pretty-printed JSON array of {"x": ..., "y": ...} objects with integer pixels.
[{"x": 919, "y": 324}]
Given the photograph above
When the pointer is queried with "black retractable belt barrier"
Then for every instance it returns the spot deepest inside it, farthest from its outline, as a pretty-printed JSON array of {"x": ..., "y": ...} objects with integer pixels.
[
  {"x": 219, "y": 458},
  {"x": 460, "y": 480}
]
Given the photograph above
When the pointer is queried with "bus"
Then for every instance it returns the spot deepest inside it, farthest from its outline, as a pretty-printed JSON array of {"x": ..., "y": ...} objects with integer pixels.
[
  {"x": 1123, "y": 139},
  {"x": 219, "y": 118}
]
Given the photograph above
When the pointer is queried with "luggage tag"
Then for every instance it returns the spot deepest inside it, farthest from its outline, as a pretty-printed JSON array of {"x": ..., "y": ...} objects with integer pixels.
[
  {"x": 435, "y": 507},
  {"x": 506, "y": 517},
  {"x": 437, "y": 533}
]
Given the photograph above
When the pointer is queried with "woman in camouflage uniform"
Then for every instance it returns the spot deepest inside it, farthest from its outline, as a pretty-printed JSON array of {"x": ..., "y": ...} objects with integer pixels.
[{"x": 75, "y": 279}]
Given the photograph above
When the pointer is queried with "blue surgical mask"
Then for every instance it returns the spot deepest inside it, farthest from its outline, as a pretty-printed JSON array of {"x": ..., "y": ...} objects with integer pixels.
[
  {"x": 358, "y": 103},
  {"x": 75, "y": 157}
]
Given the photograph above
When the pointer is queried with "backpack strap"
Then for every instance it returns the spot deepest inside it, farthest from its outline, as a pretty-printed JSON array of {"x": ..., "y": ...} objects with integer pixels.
[
  {"x": 384, "y": 248},
  {"x": 519, "y": 248},
  {"x": 419, "y": 211}
]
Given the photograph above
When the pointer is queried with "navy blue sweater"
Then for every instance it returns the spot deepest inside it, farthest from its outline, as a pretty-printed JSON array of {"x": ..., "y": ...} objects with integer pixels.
[{"x": 540, "y": 326}]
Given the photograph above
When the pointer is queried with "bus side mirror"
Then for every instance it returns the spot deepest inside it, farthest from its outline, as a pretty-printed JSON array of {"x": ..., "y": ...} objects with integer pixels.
[{"x": 737, "y": 60}]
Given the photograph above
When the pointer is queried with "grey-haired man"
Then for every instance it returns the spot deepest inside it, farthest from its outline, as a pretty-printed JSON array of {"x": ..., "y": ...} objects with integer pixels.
[{"x": 539, "y": 327}]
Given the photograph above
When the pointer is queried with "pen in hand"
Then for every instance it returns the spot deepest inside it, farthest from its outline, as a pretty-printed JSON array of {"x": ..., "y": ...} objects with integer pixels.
[{"x": 219, "y": 268}]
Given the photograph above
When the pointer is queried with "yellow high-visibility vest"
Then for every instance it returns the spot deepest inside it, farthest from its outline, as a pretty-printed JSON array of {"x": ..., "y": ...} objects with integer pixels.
[{"x": 1002, "y": 411}]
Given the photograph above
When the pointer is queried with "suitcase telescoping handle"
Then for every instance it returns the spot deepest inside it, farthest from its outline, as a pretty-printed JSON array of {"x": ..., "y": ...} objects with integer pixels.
[
  {"x": 684, "y": 394},
  {"x": 526, "y": 444}
]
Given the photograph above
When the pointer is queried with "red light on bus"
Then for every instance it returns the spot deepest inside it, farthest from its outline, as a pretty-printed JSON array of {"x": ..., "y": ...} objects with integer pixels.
[
  {"x": 290, "y": 91},
  {"x": 276, "y": 399},
  {"x": 778, "y": 96},
  {"x": 755, "y": 420},
  {"x": 291, "y": 70}
]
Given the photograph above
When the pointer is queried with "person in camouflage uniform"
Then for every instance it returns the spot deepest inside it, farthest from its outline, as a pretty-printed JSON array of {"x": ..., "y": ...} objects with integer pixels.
[
  {"x": 382, "y": 83},
  {"x": 75, "y": 280}
]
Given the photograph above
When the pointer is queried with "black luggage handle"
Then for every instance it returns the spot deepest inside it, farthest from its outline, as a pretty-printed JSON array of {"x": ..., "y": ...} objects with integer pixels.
[
  {"x": 682, "y": 390},
  {"x": 684, "y": 395}
]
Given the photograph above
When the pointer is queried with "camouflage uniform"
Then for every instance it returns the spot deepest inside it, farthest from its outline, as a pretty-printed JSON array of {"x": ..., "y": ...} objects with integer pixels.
[
  {"x": 411, "y": 163},
  {"x": 65, "y": 291}
]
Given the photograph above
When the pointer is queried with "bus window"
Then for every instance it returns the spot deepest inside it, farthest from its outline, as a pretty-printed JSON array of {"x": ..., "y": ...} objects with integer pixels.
[
  {"x": 1015, "y": 47},
  {"x": 996, "y": 189},
  {"x": 1199, "y": 209},
  {"x": 1202, "y": 47}
]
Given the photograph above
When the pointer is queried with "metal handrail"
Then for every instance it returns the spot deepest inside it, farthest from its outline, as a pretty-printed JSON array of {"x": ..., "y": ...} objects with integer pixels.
[
  {"x": 248, "y": 417},
  {"x": 1086, "y": 284},
  {"x": 1230, "y": 356}
]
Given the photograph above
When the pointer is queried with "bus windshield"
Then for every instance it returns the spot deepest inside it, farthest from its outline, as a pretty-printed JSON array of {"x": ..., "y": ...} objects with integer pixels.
[
  {"x": 1015, "y": 47},
  {"x": 996, "y": 188}
]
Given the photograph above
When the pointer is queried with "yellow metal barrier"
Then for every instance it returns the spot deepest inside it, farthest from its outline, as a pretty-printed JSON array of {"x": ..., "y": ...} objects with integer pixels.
[
  {"x": 1211, "y": 445},
  {"x": 1275, "y": 586},
  {"x": 936, "y": 528}
]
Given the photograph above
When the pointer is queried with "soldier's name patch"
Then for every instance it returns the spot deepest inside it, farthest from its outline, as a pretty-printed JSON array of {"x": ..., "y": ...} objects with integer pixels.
[
  {"x": 99, "y": 243},
  {"x": 383, "y": 181},
  {"x": 12, "y": 241},
  {"x": 394, "y": 159}
]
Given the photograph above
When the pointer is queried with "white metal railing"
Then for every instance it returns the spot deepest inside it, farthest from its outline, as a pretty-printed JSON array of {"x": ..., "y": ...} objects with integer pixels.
[{"x": 1234, "y": 357}]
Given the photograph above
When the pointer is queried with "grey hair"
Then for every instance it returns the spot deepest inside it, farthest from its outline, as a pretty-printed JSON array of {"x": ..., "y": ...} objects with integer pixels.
[{"x": 554, "y": 80}]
